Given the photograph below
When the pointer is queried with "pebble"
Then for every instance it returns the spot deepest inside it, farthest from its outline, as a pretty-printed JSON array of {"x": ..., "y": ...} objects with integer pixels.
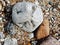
[
  {"x": 50, "y": 3},
  {"x": 58, "y": 25},
  {"x": 0, "y": 6},
  {"x": 2, "y": 35},
  {"x": 54, "y": 10},
  {"x": 54, "y": 15},
  {"x": 11, "y": 41},
  {"x": 31, "y": 35},
  {"x": 29, "y": 23},
  {"x": 50, "y": 41},
  {"x": 34, "y": 42},
  {"x": 50, "y": 12},
  {"x": 0, "y": 44},
  {"x": 8, "y": 2},
  {"x": 56, "y": 34},
  {"x": 8, "y": 9},
  {"x": 59, "y": 6},
  {"x": 2, "y": 40},
  {"x": 59, "y": 40},
  {"x": 47, "y": 13}
]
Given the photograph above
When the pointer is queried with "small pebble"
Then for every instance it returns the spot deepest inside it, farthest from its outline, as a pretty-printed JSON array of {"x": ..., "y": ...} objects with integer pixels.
[
  {"x": 59, "y": 40},
  {"x": 59, "y": 6},
  {"x": 0, "y": 6},
  {"x": 58, "y": 25}
]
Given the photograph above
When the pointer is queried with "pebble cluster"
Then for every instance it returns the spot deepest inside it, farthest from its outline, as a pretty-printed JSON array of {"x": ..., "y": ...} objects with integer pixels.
[
  {"x": 51, "y": 10},
  {"x": 7, "y": 35}
]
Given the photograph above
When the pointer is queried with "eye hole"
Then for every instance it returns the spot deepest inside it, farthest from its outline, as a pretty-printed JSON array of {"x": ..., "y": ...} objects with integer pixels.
[
  {"x": 33, "y": 8},
  {"x": 19, "y": 11}
]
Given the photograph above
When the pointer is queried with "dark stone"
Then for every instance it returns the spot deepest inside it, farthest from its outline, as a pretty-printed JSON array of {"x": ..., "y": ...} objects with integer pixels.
[
  {"x": 58, "y": 34},
  {"x": 58, "y": 25},
  {"x": 8, "y": 12},
  {"x": 50, "y": 3}
]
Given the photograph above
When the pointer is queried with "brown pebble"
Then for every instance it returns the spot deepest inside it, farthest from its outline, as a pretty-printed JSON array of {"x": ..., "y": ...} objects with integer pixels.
[{"x": 43, "y": 30}]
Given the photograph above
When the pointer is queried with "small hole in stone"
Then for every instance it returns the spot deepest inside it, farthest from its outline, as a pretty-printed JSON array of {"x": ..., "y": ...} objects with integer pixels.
[{"x": 19, "y": 11}]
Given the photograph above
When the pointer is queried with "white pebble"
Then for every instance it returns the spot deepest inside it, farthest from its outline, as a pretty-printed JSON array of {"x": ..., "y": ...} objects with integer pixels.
[{"x": 31, "y": 35}]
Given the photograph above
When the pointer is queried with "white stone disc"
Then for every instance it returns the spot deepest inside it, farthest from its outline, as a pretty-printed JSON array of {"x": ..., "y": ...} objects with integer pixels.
[{"x": 28, "y": 16}]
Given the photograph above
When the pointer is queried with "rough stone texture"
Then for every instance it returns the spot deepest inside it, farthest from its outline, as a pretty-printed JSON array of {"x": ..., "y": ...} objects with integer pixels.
[
  {"x": 52, "y": 13},
  {"x": 50, "y": 41},
  {"x": 51, "y": 10},
  {"x": 26, "y": 17}
]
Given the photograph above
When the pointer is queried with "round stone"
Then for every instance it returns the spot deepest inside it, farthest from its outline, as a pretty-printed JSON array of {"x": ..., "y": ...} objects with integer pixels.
[{"x": 25, "y": 17}]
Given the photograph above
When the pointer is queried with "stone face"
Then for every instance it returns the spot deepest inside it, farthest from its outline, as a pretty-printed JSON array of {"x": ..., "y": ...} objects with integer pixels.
[
  {"x": 31, "y": 35},
  {"x": 25, "y": 17}
]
